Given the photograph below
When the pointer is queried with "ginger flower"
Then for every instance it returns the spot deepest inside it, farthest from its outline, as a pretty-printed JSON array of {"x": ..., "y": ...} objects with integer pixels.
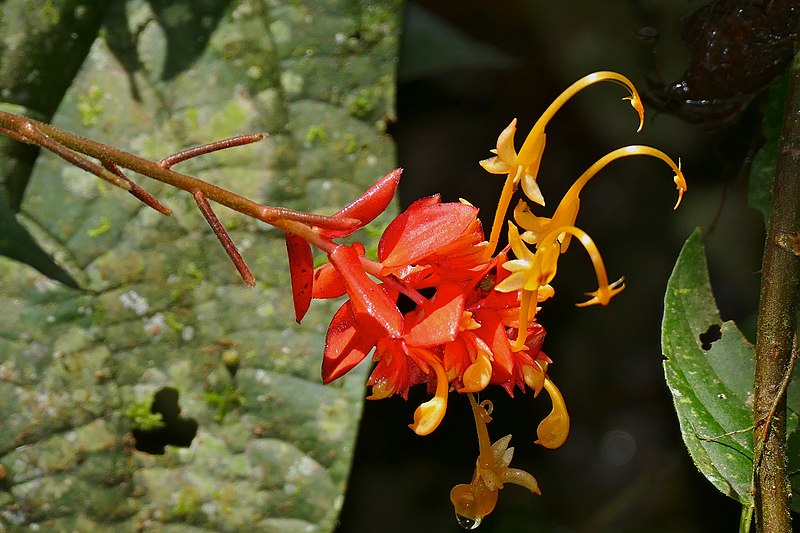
[
  {"x": 440, "y": 307},
  {"x": 533, "y": 271},
  {"x": 523, "y": 167},
  {"x": 460, "y": 335}
]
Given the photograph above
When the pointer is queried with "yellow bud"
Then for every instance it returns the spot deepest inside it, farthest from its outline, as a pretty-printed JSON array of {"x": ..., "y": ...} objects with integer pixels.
[{"x": 554, "y": 429}]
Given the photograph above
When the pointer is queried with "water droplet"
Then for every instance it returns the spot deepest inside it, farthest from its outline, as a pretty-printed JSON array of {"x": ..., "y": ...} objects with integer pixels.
[{"x": 468, "y": 523}]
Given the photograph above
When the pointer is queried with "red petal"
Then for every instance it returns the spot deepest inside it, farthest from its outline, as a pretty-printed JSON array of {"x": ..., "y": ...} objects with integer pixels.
[
  {"x": 328, "y": 283},
  {"x": 372, "y": 307},
  {"x": 394, "y": 230},
  {"x": 395, "y": 368},
  {"x": 439, "y": 318},
  {"x": 422, "y": 231},
  {"x": 493, "y": 333},
  {"x": 301, "y": 268},
  {"x": 456, "y": 359},
  {"x": 369, "y": 205},
  {"x": 345, "y": 345}
]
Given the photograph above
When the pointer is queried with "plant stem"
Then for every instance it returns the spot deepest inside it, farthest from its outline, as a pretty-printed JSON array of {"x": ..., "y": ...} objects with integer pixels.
[
  {"x": 68, "y": 145},
  {"x": 776, "y": 325}
]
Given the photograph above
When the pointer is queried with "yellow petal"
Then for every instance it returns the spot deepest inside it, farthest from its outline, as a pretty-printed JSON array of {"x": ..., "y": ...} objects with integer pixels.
[
  {"x": 382, "y": 389},
  {"x": 429, "y": 415},
  {"x": 514, "y": 282},
  {"x": 522, "y": 478},
  {"x": 554, "y": 429},
  {"x": 477, "y": 375},
  {"x": 494, "y": 165},
  {"x": 530, "y": 222},
  {"x": 531, "y": 188},
  {"x": 534, "y": 377},
  {"x": 505, "y": 144}
]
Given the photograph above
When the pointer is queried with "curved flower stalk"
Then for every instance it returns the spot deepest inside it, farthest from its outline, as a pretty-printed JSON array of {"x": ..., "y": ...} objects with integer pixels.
[{"x": 439, "y": 306}]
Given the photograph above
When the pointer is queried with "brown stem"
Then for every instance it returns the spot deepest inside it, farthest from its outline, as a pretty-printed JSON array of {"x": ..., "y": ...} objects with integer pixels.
[
  {"x": 62, "y": 142},
  {"x": 776, "y": 326},
  {"x": 224, "y": 238},
  {"x": 183, "y": 155},
  {"x": 27, "y": 131},
  {"x": 139, "y": 193}
]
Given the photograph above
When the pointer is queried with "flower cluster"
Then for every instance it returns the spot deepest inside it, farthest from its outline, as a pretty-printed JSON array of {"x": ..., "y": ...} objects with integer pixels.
[{"x": 441, "y": 306}]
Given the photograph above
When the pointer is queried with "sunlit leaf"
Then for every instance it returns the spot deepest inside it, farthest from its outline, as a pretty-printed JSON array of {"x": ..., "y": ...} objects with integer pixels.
[{"x": 166, "y": 324}]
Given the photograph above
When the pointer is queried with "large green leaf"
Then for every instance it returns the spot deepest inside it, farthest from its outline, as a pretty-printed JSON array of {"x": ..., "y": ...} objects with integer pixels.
[
  {"x": 42, "y": 47},
  {"x": 709, "y": 371},
  {"x": 164, "y": 311}
]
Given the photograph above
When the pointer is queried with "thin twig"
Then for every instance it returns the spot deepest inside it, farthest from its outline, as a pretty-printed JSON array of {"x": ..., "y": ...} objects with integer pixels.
[
  {"x": 141, "y": 194},
  {"x": 224, "y": 238},
  {"x": 32, "y": 133},
  {"x": 183, "y": 155}
]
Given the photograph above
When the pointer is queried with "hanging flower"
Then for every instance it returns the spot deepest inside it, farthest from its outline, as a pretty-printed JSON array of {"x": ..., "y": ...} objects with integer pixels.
[{"x": 439, "y": 306}]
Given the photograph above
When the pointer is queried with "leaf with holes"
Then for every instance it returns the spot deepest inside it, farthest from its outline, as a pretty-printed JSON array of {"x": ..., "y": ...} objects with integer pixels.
[
  {"x": 709, "y": 371},
  {"x": 166, "y": 349}
]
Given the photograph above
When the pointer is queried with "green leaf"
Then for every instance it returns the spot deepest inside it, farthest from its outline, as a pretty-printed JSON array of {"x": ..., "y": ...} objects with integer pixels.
[
  {"x": 165, "y": 314},
  {"x": 42, "y": 47},
  {"x": 709, "y": 371}
]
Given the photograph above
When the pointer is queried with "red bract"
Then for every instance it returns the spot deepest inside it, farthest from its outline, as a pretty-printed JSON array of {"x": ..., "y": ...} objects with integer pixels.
[
  {"x": 363, "y": 210},
  {"x": 461, "y": 335},
  {"x": 432, "y": 236},
  {"x": 369, "y": 205},
  {"x": 301, "y": 270}
]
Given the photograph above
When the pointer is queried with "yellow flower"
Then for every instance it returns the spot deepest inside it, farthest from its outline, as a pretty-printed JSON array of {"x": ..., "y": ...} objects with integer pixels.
[
  {"x": 429, "y": 415},
  {"x": 532, "y": 271},
  {"x": 523, "y": 167},
  {"x": 473, "y": 501},
  {"x": 554, "y": 429},
  {"x": 567, "y": 210}
]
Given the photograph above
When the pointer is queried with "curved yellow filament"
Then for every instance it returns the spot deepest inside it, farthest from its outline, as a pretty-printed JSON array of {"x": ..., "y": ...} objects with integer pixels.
[
  {"x": 523, "y": 167},
  {"x": 429, "y": 415},
  {"x": 605, "y": 290},
  {"x": 543, "y": 268},
  {"x": 554, "y": 429},
  {"x": 619, "y": 153},
  {"x": 529, "y": 146},
  {"x": 567, "y": 211}
]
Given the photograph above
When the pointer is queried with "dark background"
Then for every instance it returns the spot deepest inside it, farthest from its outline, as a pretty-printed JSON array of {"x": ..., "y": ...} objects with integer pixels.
[{"x": 624, "y": 467}]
